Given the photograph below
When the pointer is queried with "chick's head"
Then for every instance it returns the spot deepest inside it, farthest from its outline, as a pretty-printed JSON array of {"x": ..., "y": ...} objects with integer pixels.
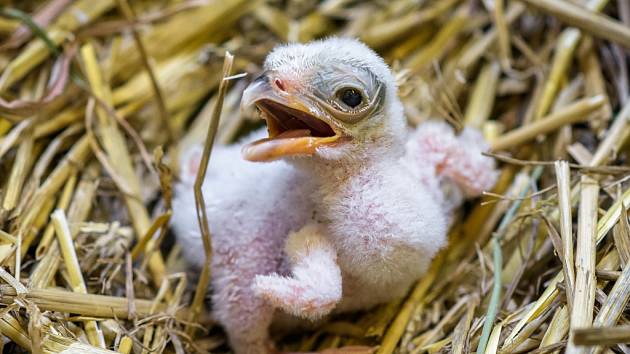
[{"x": 332, "y": 99}]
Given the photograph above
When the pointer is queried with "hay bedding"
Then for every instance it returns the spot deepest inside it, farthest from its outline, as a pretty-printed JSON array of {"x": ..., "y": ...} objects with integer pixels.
[{"x": 99, "y": 97}]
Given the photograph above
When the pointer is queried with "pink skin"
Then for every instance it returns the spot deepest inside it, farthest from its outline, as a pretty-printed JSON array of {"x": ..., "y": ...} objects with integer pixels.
[
  {"x": 246, "y": 235},
  {"x": 314, "y": 287},
  {"x": 255, "y": 273},
  {"x": 343, "y": 230},
  {"x": 434, "y": 144},
  {"x": 437, "y": 156},
  {"x": 442, "y": 156}
]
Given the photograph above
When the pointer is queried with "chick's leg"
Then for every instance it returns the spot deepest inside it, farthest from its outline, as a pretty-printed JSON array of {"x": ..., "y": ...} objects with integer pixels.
[
  {"x": 435, "y": 148},
  {"x": 244, "y": 316},
  {"x": 314, "y": 288}
]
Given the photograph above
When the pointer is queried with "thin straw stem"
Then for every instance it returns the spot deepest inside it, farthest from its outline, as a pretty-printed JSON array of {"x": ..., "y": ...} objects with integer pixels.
[{"x": 202, "y": 217}]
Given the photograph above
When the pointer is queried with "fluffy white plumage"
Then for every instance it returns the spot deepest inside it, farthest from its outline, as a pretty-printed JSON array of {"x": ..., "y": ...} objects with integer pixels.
[{"x": 348, "y": 227}]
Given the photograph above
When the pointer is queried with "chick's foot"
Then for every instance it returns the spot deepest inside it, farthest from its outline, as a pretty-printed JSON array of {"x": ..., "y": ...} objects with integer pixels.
[{"x": 314, "y": 289}]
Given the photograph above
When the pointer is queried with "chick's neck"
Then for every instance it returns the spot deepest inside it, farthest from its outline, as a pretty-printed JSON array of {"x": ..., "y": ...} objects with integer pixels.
[{"x": 358, "y": 163}]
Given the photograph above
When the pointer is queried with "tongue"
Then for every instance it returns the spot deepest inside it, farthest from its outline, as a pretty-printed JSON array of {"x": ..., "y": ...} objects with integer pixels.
[{"x": 297, "y": 133}]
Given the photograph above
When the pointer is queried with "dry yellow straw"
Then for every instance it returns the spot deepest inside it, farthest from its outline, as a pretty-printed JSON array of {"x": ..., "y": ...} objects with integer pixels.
[
  {"x": 503, "y": 33},
  {"x": 616, "y": 302},
  {"x": 587, "y": 20},
  {"x": 563, "y": 179},
  {"x": 116, "y": 148},
  {"x": 602, "y": 335},
  {"x": 88, "y": 305},
  {"x": 584, "y": 295},
  {"x": 564, "y": 50},
  {"x": 74, "y": 271},
  {"x": 438, "y": 45},
  {"x": 126, "y": 345},
  {"x": 82, "y": 12},
  {"x": 576, "y": 112},
  {"x": 482, "y": 97},
  {"x": 62, "y": 203}
]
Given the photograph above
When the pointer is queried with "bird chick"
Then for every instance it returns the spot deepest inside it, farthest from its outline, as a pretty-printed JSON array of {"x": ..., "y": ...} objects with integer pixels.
[{"x": 346, "y": 213}]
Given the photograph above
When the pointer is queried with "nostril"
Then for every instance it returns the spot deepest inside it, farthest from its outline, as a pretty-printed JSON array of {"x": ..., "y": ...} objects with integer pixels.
[{"x": 279, "y": 84}]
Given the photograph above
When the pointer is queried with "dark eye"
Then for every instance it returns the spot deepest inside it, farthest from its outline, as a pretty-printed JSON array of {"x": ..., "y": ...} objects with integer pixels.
[{"x": 351, "y": 97}]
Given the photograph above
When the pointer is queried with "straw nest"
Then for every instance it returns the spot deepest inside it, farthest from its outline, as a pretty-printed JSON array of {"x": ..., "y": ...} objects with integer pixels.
[{"x": 99, "y": 97}]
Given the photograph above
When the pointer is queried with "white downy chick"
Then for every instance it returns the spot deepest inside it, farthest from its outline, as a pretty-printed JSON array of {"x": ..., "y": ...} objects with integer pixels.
[{"x": 350, "y": 212}]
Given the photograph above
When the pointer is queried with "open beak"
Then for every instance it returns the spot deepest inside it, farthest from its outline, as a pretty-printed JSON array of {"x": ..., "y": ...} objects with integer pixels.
[{"x": 296, "y": 125}]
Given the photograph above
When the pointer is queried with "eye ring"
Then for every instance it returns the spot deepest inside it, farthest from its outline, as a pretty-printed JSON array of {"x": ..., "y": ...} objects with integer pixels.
[{"x": 350, "y": 96}]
